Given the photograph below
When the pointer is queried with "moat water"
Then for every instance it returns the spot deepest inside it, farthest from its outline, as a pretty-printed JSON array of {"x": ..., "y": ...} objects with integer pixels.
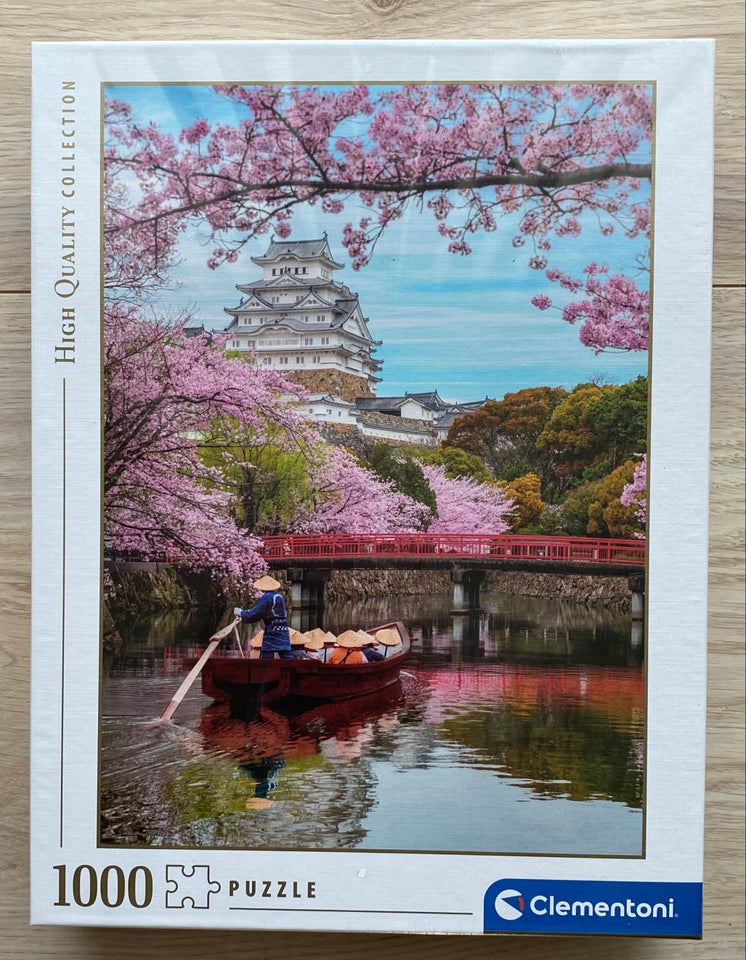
[{"x": 516, "y": 730}]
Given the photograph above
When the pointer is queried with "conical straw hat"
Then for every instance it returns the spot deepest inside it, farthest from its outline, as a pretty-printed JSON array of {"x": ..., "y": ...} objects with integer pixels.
[
  {"x": 266, "y": 583},
  {"x": 297, "y": 639},
  {"x": 350, "y": 639},
  {"x": 366, "y": 637},
  {"x": 311, "y": 642},
  {"x": 389, "y": 637}
]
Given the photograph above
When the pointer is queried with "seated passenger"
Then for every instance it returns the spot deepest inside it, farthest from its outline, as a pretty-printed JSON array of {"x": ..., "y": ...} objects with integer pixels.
[
  {"x": 298, "y": 645},
  {"x": 372, "y": 654},
  {"x": 370, "y": 647},
  {"x": 330, "y": 642},
  {"x": 348, "y": 649},
  {"x": 313, "y": 641},
  {"x": 389, "y": 638}
]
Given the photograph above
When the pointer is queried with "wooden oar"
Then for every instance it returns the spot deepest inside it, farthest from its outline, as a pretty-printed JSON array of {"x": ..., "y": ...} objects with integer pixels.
[{"x": 212, "y": 646}]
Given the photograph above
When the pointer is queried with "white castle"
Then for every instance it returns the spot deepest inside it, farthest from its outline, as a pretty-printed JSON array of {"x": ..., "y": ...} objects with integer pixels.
[{"x": 298, "y": 319}]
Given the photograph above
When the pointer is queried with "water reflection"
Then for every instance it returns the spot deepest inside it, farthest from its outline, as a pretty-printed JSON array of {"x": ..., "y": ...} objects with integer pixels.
[{"x": 529, "y": 713}]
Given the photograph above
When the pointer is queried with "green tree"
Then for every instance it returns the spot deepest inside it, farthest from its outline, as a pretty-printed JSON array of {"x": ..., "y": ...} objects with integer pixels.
[
  {"x": 570, "y": 437},
  {"x": 573, "y": 511},
  {"x": 525, "y": 492},
  {"x": 268, "y": 472},
  {"x": 457, "y": 462},
  {"x": 619, "y": 419},
  {"x": 607, "y": 516},
  {"x": 505, "y": 432},
  {"x": 404, "y": 472}
]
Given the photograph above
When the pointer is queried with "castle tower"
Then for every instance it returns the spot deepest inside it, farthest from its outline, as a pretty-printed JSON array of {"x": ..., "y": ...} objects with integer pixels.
[{"x": 299, "y": 320}]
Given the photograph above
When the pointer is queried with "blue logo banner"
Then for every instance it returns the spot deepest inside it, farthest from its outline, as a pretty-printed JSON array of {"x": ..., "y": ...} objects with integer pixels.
[{"x": 593, "y": 906}]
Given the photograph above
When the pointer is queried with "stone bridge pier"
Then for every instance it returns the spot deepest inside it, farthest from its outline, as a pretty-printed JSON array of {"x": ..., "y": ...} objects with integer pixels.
[
  {"x": 307, "y": 587},
  {"x": 637, "y": 589},
  {"x": 466, "y": 587}
]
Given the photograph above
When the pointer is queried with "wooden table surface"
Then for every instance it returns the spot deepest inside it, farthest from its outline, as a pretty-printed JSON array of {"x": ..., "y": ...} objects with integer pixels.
[{"x": 22, "y": 22}]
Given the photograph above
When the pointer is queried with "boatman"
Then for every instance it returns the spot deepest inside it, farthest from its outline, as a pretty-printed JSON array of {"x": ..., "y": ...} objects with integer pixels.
[{"x": 270, "y": 608}]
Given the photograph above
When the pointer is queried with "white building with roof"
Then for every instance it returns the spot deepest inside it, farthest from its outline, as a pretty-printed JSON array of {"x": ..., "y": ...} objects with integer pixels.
[
  {"x": 299, "y": 320},
  {"x": 297, "y": 317}
]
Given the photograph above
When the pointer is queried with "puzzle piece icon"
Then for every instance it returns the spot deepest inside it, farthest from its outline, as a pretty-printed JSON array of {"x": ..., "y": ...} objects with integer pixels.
[{"x": 191, "y": 886}]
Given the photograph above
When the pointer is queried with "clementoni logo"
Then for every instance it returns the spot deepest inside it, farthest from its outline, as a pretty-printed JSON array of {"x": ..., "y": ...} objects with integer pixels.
[
  {"x": 574, "y": 906},
  {"x": 509, "y": 905}
]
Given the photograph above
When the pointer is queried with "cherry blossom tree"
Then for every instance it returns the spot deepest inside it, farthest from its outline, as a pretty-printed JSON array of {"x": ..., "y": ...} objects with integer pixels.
[
  {"x": 557, "y": 159},
  {"x": 467, "y": 506},
  {"x": 614, "y": 310},
  {"x": 635, "y": 493},
  {"x": 349, "y": 498},
  {"x": 163, "y": 393}
]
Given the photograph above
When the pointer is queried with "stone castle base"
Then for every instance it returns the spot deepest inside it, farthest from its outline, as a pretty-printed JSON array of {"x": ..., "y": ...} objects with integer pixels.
[{"x": 338, "y": 383}]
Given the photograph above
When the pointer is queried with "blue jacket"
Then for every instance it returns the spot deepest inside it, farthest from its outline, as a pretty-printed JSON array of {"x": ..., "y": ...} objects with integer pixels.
[{"x": 270, "y": 608}]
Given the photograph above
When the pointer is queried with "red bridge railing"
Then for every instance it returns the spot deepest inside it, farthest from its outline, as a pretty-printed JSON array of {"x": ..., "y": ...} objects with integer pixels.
[{"x": 454, "y": 546}]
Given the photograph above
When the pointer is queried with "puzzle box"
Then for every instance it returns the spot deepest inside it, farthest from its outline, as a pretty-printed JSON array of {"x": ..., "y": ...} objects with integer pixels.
[{"x": 371, "y": 344}]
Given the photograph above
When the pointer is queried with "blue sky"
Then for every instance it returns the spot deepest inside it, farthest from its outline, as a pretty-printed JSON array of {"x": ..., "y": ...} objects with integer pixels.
[{"x": 463, "y": 325}]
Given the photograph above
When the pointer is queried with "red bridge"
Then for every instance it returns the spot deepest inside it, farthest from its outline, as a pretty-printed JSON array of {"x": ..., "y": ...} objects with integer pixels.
[
  {"x": 309, "y": 560},
  {"x": 439, "y": 549}
]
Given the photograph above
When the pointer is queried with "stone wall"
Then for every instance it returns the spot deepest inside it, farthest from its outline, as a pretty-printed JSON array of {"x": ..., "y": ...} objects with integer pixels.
[
  {"x": 142, "y": 589},
  {"x": 583, "y": 589},
  {"x": 387, "y": 421},
  {"x": 336, "y": 382},
  {"x": 140, "y": 592},
  {"x": 361, "y": 584}
]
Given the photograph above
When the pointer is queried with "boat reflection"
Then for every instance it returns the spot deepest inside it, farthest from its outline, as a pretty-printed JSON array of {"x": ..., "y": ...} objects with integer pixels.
[{"x": 339, "y": 732}]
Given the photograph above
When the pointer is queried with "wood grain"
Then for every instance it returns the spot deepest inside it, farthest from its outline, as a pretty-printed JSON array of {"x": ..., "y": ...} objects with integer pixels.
[{"x": 88, "y": 20}]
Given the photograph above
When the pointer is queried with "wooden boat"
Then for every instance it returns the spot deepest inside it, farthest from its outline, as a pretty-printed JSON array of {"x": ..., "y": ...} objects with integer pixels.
[{"x": 246, "y": 683}]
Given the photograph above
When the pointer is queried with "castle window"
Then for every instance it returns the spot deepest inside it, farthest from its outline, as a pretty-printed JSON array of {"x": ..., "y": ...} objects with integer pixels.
[
  {"x": 320, "y": 317},
  {"x": 307, "y": 341},
  {"x": 305, "y": 270},
  {"x": 324, "y": 340}
]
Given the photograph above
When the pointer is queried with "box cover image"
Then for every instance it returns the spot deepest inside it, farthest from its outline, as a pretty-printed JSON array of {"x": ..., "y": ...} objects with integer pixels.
[{"x": 350, "y": 360}]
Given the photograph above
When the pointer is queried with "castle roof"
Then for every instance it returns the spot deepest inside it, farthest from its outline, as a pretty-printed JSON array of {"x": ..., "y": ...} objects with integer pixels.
[
  {"x": 301, "y": 249},
  {"x": 456, "y": 410},
  {"x": 342, "y": 310},
  {"x": 430, "y": 401},
  {"x": 289, "y": 281}
]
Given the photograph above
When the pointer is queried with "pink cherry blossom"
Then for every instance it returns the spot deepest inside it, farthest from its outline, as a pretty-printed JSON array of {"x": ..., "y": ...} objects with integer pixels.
[
  {"x": 567, "y": 157},
  {"x": 465, "y": 505},
  {"x": 348, "y": 498},
  {"x": 164, "y": 393},
  {"x": 635, "y": 493}
]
